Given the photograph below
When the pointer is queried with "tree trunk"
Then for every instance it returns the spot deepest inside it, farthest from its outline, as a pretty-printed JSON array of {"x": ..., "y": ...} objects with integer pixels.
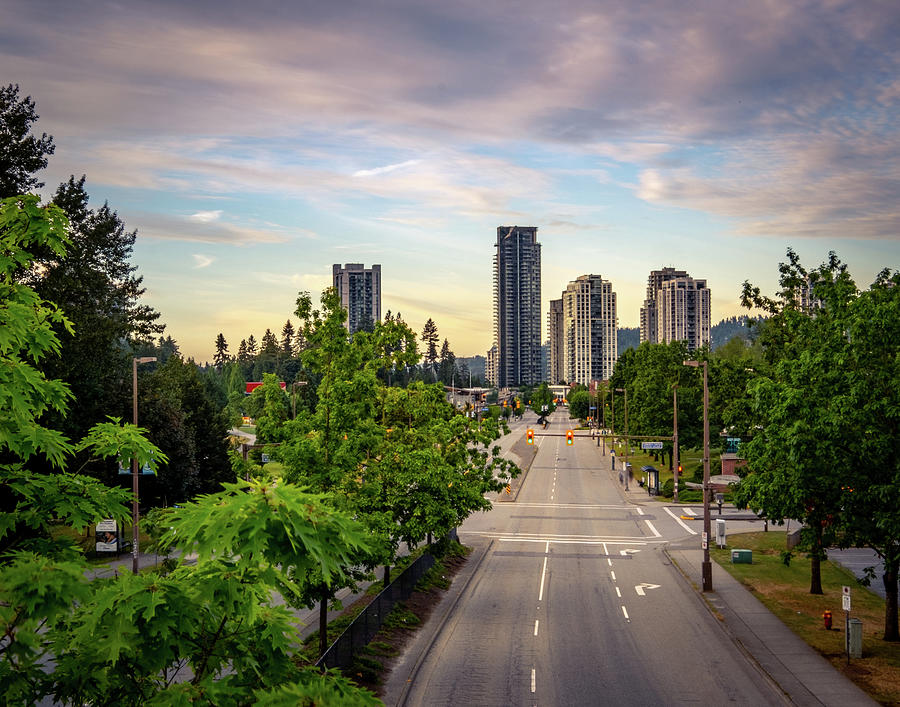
[
  {"x": 387, "y": 576},
  {"x": 323, "y": 621},
  {"x": 891, "y": 632},
  {"x": 815, "y": 580}
]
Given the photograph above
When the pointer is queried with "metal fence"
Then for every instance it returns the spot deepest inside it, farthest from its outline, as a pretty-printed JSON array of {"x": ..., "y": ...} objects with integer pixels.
[{"x": 364, "y": 627}]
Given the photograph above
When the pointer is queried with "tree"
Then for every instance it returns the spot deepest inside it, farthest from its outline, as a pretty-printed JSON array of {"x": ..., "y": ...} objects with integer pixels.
[
  {"x": 251, "y": 346},
  {"x": 97, "y": 286},
  {"x": 124, "y": 640},
  {"x": 221, "y": 357},
  {"x": 447, "y": 364},
  {"x": 797, "y": 406},
  {"x": 21, "y": 153},
  {"x": 430, "y": 339}
]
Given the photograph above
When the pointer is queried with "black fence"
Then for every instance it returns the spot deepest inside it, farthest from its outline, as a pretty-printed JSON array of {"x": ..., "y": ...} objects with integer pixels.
[{"x": 364, "y": 627}]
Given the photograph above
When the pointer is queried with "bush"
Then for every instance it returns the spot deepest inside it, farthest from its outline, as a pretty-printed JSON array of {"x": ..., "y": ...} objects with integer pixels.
[{"x": 668, "y": 488}]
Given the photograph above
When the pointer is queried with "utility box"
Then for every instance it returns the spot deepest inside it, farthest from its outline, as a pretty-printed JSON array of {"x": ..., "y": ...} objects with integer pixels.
[
  {"x": 720, "y": 532},
  {"x": 742, "y": 557},
  {"x": 854, "y": 638}
]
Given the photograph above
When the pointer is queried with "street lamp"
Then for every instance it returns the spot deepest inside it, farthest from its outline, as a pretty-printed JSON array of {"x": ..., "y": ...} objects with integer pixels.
[
  {"x": 135, "y": 514},
  {"x": 627, "y": 441},
  {"x": 707, "y": 565}
]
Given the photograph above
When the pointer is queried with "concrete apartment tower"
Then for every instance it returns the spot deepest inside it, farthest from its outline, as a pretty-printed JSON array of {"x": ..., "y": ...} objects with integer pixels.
[
  {"x": 649, "y": 325},
  {"x": 556, "y": 342},
  {"x": 677, "y": 308},
  {"x": 517, "y": 306},
  {"x": 589, "y": 330},
  {"x": 360, "y": 291}
]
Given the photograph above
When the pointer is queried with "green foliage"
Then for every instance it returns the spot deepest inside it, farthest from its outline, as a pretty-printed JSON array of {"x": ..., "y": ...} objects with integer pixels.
[{"x": 21, "y": 153}]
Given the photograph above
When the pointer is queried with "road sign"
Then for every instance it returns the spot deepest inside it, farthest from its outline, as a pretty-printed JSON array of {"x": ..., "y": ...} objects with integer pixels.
[
  {"x": 651, "y": 445},
  {"x": 265, "y": 458},
  {"x": 845, "y": 601},
  {"x": 704, "y": 541}
]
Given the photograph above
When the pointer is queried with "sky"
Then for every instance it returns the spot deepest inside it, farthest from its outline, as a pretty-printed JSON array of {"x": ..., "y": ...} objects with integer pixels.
[{"x": 253, "y": 145}]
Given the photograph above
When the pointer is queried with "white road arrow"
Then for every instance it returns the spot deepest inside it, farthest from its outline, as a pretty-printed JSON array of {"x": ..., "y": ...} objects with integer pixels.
[
  {"x": 628, "y": 552},
  {"x": 639, "y": 588}
]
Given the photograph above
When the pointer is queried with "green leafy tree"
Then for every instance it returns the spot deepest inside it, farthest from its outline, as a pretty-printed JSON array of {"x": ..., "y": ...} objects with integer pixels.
[
  {"x": 797, "y": 406},
  {"x": 21, "y": 153},
  {"x": 124, "y": 640}
]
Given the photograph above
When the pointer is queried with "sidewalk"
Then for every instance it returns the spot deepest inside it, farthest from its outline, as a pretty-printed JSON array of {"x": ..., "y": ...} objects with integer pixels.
[{"x": 806, "y": 677}]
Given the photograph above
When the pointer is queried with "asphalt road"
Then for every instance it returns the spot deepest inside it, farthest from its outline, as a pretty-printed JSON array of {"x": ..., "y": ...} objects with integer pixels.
[{"x": 575, "y": 604}]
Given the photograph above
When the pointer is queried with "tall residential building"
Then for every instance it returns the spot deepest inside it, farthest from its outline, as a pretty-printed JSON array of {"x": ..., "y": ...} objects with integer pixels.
[
  {"x": 490, "y": 365},
  {"x": 360, "y": 291},
  {"x": 589, "y": 330},
  {"x": 556, "y": 342},
  {"x": 517, "y": 306},
  {"x": 683, "y": 312},
  {"x": 649, "y": 324}
]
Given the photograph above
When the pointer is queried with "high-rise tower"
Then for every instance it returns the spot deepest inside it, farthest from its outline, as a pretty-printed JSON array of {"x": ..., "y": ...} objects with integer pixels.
[
  {"x": 517, "y": 306},
  {"x": 360, "y": 291},
  {"x": 556, "y": 342},
  {"x": 589, "y": 330},
  {"x": 677, "y": 308}
]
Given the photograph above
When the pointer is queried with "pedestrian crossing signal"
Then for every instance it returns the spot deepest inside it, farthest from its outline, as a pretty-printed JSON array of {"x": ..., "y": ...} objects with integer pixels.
[
  {"x": 529, "y": 436},
  {"x": 569, "y": 437}
]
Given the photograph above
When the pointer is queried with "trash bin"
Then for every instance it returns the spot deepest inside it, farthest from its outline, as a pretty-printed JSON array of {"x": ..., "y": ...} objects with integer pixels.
[{"x": 854, "y": 638}]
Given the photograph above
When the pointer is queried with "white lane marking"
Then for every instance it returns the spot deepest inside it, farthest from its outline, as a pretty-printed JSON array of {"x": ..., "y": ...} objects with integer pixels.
[
  {"x": 536, "y": 622},
  {"x": 532, "y": 680},
  {"x": 543, "y": 575},
  {"x": 639, "y": 588},
  {"x": 585, "y": 506},
  {"x": 625, "y": 611},
  {"x": 547, "y": 549},
  {"x": 681, "y": 522},
  {"x": 652, "y": 529},
  {"x": 606, "y": 552},
  {"x": 640, "y": 511},
  {"x": 618, "y": 593},
  {"x": 551, "y": 496},
  {"x": 689, "y": 511},
  {"x": 628, "y": 552},
  {"x": 613, "y": 575}
]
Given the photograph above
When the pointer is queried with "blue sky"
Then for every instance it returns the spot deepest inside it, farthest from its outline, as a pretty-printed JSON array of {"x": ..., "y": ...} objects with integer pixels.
[{"x": 253, "y": 146}]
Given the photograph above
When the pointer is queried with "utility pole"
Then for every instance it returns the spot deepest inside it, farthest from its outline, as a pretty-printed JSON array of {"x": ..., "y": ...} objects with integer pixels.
[
  {"x": 135, "y": 512},
  {"x": 707, "y": 564}
]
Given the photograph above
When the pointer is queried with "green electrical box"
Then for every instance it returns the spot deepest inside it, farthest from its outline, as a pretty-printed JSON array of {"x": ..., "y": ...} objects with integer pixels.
[{"x": 742, "y": 557}]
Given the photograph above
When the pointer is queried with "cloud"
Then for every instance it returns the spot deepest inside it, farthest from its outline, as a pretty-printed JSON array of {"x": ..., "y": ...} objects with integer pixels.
[
  {"x": 202, "y": 261},
  {"x": 386, "y": 169},
  {"x": 163, "y": 227},
  {"x": 206, "y": 216}
]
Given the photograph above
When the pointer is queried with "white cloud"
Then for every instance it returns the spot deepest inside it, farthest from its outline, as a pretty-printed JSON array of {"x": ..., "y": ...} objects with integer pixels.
[
  {"x": 385, "y": 169},
  {"x": 206, "y": 216},
  {"x": 202, "y": 261}
]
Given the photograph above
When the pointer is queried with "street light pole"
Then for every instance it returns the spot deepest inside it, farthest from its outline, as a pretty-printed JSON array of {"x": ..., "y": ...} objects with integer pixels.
[
  {"x": 135, "y": 513},
  {"x": 707, "y": 565}
]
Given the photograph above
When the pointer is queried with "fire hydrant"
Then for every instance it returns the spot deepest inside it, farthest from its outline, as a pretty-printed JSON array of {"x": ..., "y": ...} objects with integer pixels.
[{"x": 827, "y": 617}]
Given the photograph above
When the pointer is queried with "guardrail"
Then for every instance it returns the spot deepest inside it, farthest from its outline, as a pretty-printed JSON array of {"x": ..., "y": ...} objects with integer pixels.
[{"x": 364, "y": 627}]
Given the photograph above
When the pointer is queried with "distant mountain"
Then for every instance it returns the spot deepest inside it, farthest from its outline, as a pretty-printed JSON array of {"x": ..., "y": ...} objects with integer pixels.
[
  {"x": 628, "y": 338},
  {"x": 727, "y": 329},
  {"x": 721, "y": 333}
]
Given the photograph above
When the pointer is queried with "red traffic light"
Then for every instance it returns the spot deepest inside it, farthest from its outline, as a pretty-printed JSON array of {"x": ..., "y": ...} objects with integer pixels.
[
  {"x": 569, "y": 436},
  {"x": 529, "y": 436}
]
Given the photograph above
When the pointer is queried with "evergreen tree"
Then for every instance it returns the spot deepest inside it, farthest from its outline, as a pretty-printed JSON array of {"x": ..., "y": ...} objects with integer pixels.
[
  {"x": 269, "y": 344},
  {"x": 21, "y": 154},
  {"x": 287, "y": 339},
  {"x": 447, "y": 364},
  {"x": 251, "y": 346},
  {"x": 430, "y": 339},
  {"x": 221, "y": 357}
]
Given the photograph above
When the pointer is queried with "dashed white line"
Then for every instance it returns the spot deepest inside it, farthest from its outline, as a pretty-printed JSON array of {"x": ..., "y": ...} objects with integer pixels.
[
  {"x": 606, "y": 552},
  {"x": 613, "y": 575},
  {"x": 532, "y": 680},
  {"x": 652, "y": 529},
  {"x": 625, "y": 611},
  {"x": 536, "y": 622},
  {"x": 640, "y": 511},
  {"x": 618, "y": 593},
  {"x": 680, "y": 522}
]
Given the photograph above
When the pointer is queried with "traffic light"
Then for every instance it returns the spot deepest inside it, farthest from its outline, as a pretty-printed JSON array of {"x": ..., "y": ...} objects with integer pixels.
[
  {"x": 518, "y": 403},
  {"x": 680, "y": 468},
  {"x": 529, "y": 436},
  {"x": 569, "y": 437}
]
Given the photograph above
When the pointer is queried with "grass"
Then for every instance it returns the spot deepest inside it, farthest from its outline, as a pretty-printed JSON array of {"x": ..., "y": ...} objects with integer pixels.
[{"x": 784, "y": 590}]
